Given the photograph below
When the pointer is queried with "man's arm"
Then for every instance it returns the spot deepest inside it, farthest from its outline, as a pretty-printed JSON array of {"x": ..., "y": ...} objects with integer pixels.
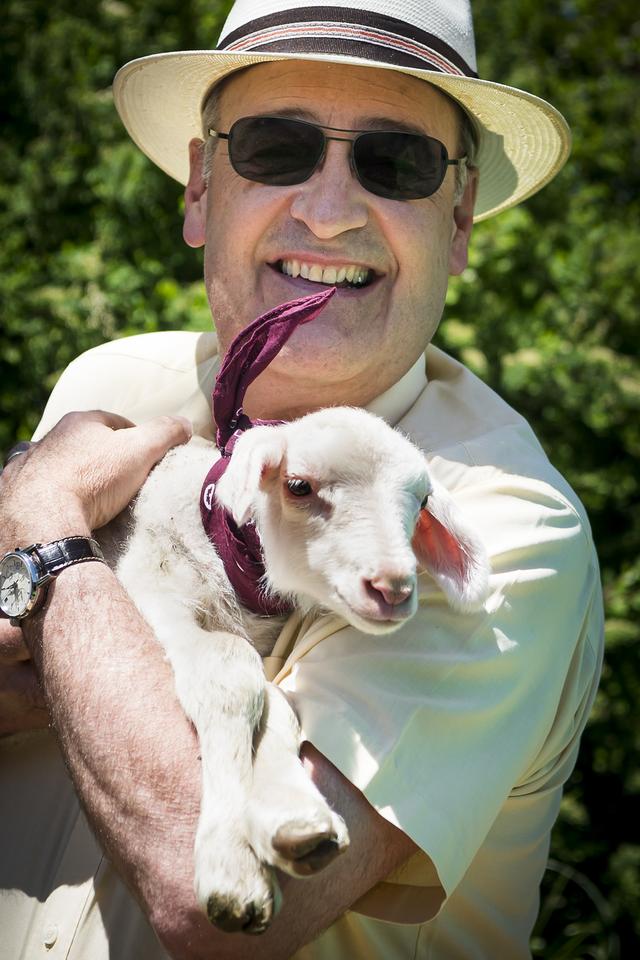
[{"x": 105, "y": 676}]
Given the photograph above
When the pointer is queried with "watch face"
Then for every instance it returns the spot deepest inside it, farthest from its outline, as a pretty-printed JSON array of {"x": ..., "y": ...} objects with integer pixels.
[{"x": 16, "y": 585}]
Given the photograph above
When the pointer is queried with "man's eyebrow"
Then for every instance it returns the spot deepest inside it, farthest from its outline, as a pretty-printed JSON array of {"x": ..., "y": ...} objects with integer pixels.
[
  {"x": 368, "y": 123},
  {"x": 389, "y": 123}
]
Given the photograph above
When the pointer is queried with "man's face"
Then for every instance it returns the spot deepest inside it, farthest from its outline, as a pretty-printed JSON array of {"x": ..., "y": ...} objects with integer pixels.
[{"x": 367, "y": 336}]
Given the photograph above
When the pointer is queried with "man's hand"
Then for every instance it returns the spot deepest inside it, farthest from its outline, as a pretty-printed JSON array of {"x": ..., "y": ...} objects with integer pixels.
[
  {"x": 79, "y": 477},
  {"x": 84, "y": 473},
  {"x": 22, "y": 705}
]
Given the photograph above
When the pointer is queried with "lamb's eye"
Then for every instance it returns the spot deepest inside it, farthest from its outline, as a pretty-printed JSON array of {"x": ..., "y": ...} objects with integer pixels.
[
  {"x": 299, "y": 487},
  {"x": 423, "y": 505}
]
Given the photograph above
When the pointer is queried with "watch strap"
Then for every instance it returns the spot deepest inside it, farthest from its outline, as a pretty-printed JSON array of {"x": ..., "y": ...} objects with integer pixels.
[{"x": 60, "y": 554}]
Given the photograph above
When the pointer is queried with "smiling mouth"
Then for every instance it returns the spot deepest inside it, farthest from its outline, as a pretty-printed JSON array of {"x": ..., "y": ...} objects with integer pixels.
[{"x": 349, "y": 276}]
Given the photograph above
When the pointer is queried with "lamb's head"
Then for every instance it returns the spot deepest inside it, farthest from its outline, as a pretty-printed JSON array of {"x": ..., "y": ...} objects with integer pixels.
[{"x": 347, "y": 511}]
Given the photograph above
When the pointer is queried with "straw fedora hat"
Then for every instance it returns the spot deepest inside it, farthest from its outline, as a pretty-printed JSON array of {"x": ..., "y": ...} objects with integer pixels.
[{"x": 523, "y": 141}]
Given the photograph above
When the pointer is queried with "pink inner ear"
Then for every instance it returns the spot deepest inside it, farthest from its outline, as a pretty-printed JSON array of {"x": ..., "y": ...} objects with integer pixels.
[
  {"x": 269, "y": 472},
  {"x": 437, "y": 549}
]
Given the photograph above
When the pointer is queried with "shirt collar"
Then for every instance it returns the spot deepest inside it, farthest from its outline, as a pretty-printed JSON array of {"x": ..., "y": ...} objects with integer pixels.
[{"x": 395, "y": 402}]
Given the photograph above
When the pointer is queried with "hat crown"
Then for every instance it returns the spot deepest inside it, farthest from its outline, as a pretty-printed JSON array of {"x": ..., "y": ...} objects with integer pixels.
[{"x": 428, "y": 34}]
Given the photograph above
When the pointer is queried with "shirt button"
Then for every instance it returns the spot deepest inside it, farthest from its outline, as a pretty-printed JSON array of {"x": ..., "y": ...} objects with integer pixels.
[{"x": 50, "y": 935}]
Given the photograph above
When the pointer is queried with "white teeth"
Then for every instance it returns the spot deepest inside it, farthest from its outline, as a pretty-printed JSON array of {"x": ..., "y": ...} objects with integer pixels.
[{"x": 318, "y": 274}]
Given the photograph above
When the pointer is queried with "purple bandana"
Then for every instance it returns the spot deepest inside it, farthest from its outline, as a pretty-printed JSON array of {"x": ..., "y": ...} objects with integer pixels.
[{"x": 250, "y": 353}]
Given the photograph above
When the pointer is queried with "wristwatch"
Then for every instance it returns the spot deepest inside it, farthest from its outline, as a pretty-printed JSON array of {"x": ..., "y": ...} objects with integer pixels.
[{"x": 26, "y": 573}]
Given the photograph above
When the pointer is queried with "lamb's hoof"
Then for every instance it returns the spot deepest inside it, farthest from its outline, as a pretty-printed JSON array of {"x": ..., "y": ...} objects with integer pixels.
[
  {"x": 305, "y": 852},
  {"x": 234, "y": 917}
]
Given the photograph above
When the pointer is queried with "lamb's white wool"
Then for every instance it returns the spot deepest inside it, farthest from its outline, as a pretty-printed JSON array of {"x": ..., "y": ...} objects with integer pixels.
[{"x": 348, "y": 538}]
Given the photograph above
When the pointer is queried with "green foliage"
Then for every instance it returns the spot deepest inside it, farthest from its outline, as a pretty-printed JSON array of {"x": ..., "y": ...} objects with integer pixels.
[{"x": 546, "y": 313}]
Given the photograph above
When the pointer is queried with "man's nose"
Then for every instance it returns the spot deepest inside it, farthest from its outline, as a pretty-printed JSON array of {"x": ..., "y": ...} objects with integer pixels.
[{"x": 331, "y": 201}]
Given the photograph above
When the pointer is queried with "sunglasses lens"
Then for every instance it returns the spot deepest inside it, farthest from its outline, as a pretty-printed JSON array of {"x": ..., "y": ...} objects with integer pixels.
[
  {"x": 399, "y": 166},
  {"x": 275, "y": 150}
]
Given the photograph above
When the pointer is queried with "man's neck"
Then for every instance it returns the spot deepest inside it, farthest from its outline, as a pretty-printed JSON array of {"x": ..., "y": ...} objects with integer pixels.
[{"x": 271, "y": 397}]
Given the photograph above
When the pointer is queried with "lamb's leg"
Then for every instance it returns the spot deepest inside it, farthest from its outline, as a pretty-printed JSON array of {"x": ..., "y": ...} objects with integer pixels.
[
  {"x": 290, "y": 823},
  {"x": 220, "y": 684}
]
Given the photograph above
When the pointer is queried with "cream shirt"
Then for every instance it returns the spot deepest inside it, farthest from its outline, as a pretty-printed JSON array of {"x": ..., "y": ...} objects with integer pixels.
[{"x": 459, "y": 729}]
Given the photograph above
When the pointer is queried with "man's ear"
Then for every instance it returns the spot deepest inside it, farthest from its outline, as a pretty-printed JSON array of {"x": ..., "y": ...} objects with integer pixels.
[
  {"x": 195, "y": 197},
  {"x": 462, "y": 225}
]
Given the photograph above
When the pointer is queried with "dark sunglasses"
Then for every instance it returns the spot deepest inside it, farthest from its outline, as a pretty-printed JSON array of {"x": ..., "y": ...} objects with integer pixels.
[{"x": 281, "y": 152}]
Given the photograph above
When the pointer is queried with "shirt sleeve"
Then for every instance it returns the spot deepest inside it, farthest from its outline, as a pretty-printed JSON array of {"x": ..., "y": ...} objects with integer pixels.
[{"x": 441, "y": 722}]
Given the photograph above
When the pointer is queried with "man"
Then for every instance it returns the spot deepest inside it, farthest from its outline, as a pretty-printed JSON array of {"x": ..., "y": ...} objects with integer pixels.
[{"x": 444, "y": 746}]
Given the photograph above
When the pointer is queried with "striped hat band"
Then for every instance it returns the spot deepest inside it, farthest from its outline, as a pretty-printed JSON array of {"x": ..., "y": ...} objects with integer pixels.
[{"x": 347, "y": 32}]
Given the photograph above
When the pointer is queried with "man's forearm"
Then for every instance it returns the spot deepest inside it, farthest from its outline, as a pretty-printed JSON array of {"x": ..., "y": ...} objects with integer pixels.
[{"x": 131, "y": 752}]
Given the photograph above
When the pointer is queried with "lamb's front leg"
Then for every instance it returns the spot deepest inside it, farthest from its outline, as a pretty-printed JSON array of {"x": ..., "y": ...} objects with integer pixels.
[
  {"x": 290, "y": 823},
  {"x": 220, "y": 684}
]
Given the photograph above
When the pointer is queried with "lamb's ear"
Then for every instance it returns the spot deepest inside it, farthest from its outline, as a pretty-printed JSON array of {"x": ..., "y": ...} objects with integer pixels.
[
  {"x": 255, "y": 459},
  {"x": 451, "y": 551}
]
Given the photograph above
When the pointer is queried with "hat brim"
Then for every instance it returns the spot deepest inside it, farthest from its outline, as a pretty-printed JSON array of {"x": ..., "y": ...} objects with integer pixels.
[{"x": 523, "y": 140}]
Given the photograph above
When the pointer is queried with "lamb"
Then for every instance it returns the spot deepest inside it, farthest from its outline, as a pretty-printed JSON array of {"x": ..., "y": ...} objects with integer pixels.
[{"x": 346, "y": 511}]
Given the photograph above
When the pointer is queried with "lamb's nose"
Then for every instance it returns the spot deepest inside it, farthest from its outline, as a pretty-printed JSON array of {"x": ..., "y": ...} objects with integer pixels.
[{"x": 395, "y": 590}]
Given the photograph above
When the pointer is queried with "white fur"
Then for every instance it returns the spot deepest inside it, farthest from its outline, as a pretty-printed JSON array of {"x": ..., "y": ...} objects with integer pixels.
[{"x": 347, "y": 548}]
